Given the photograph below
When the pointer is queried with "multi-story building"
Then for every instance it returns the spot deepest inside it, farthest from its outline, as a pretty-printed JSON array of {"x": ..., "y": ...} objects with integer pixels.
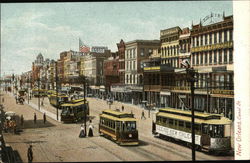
[
  {"x": 135, "y": 52},
  {"x": 93, "y": 70},
  {"x": 110, "y": 69},
  {"x": 37, "y": 65},
  {"x": 212, "y": 57},
  {"x": 170, "y": 46},
  {"x": 51, "y": 74}
]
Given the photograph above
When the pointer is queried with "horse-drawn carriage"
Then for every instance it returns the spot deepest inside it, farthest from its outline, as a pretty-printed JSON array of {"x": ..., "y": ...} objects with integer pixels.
[{"x": 10, "y": 122}]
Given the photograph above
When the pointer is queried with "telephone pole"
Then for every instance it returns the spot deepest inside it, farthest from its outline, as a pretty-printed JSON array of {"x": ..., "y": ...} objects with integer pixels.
[
  {"x": 84, "y": 106},
  {"x": 191, "y": 79},
  {"x": 56, "y": 91}
]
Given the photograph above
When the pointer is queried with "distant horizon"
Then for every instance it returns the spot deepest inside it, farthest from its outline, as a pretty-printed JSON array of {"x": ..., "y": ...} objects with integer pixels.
[{"x": 51, "y": 28}]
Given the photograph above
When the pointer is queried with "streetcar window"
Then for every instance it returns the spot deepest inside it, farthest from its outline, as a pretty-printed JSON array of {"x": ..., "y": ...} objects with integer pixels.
[
  {"x": 205, "y": 129},
  {"x": 197, "y": 127},
  {"x": 130, "y": 126},
  {"x": 181, "y": 123},
  {"x": 188, "y": 125},
  {"x": 171, "y": 121},
  {"x": 218, "y": 131}
]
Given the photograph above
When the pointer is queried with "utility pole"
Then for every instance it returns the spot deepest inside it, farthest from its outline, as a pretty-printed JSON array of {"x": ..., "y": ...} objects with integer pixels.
[
  {"x": 84, "y": 107},
  {"x": 56, "y": 91},
  {"x": 38, "y": 93},
  {"x": 191, "y": 79},
  {"x": 28, "y": 90}
]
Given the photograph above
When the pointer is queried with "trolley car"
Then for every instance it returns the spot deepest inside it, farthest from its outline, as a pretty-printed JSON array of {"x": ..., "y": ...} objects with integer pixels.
[
  {"x": 39, "y": 92},
  {"x": 57, "y": 100},
  {"x": 212, "y": 131},
  {"x": 119, "y": 127},
  {"x": 74, "y": 111}
]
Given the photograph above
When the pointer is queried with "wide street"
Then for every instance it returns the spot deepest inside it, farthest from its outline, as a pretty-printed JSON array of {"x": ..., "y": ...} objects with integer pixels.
[{"x": 58, "y": 142}]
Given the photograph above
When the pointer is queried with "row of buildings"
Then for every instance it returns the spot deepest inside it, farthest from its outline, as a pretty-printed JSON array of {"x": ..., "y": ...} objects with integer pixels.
[{"x": 150, "y": 71}]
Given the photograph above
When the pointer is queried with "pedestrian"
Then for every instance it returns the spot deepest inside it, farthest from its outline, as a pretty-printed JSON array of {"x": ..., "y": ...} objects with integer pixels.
[
  {"x": 143, "y": 115},
  {"x": 44, "y": 118},
  {"x": 35, "y": 118},
  {"x": 16, "y": 98},
  {"x": 30, "y": 154},
  {"x": 91, "y": 127},
  {"x": 3, "y": 100},
  {"x": 22, "y": 120},
  {"x": 82, "y": 132},
  {"x": 122, "y": 108}
]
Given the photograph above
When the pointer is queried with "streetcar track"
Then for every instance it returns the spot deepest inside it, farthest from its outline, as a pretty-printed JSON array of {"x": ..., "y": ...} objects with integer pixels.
[{"x": 185, "y": 155}]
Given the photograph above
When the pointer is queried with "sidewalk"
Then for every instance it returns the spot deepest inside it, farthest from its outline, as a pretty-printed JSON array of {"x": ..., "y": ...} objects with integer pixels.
[{"x": 47, "y": 108}]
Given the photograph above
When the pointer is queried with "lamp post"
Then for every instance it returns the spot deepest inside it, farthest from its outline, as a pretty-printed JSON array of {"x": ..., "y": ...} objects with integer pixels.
[
  {"x": 84, "y": 106},
  {"x": 191, "y": 79},
  {"x": 56, "y": 91},
  {"x": 38, "y": 80}
]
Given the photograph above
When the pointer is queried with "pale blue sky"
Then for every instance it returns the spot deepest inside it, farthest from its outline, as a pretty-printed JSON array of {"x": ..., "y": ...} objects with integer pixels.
[{"x": 50, "y": 28}]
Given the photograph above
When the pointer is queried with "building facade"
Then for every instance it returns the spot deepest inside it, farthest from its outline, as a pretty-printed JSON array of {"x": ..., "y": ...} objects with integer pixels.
[{"x": 135, "y": 52}]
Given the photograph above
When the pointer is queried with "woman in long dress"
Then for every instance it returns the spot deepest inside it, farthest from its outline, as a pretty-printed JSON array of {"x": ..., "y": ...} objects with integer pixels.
[
  {"x": 82, "y": 132},
  {"x": 90, "y": 129}
]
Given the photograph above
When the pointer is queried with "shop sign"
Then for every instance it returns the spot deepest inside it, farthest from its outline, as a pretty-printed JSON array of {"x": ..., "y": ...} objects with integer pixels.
[
  {"x": 212, "y": 47},
  {"x": 224, "y": 92},
  {"x": 165, "y": 93}
]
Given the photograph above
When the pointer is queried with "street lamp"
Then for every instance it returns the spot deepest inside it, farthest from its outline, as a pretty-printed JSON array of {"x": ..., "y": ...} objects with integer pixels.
[
  {"x": 191, "y": 78},
  {"x": 56, "y": 91}
]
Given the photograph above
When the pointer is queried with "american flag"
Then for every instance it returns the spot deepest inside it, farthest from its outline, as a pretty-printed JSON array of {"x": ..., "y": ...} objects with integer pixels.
[{"x": 82, "y": 47}]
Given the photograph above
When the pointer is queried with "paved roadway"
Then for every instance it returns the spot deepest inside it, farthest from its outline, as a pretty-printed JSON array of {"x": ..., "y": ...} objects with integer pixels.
[{"x": 56, "y": 142}]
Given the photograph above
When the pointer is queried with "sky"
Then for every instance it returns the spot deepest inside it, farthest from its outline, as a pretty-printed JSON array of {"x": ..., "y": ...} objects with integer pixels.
[{"x": 28, "y": 29}]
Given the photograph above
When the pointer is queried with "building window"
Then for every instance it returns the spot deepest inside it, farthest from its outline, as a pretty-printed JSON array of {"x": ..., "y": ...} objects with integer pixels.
[
  {"x": 171, "y": 51},
  {"x": 130, "y": 65},
  {"x": 225, "y": 56},
  {"x": 231, "y": 35},
  {"x": 225, "y": 36},
  {"x": 193, "y": 42},
  {"x": 215, "y": 56},
  {"x": 134, "y": 65},
  {"x": 142, "y": 52},
  {"x": 205, "y": 39},
  {"x": 210, "y": 57},
  {"x": 201, "y": 62},
  {"x": 205, "y": 55},
  {"x": 193, "y": 60},
  {"x": 197, "y": 41},
  {"x": 215, "y": 37},
  {"x": 174, "y": 50},
  {"x": 130, "y": 78},
  {"x": 127, "y": 78},
  {"x": 210, "y": 38},
  {"x": 134, "y": 79},
  {"x": 197, "y": 58},
  {"x": 201, "y": 40},
  {"x": 220, "y": 35},
  {"x": 230, "y": 55},
  {"x": 220, "y": 57},
  {"x": 168, "y": 51}
]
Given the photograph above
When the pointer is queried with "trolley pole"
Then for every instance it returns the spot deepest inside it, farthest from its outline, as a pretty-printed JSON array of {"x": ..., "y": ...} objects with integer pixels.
[
  {"x": 56, "y": 91},
  {"x": 191, "y": 74}
]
